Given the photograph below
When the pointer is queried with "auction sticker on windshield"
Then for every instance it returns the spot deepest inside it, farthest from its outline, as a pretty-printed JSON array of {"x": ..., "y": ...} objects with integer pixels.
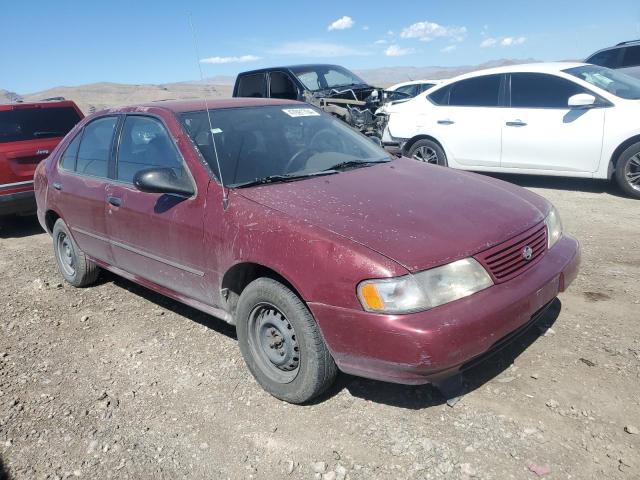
[{"x": 301, "y": 112}]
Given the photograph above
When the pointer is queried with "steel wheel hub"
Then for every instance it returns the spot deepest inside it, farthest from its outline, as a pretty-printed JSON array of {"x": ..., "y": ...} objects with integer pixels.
[
  {"x": 66, "y": 255},
  {"x": 274, "y": 343}
]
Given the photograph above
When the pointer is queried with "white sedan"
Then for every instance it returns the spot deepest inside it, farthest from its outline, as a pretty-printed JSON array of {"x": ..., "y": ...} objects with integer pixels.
[{"x": 564, "y": 119}]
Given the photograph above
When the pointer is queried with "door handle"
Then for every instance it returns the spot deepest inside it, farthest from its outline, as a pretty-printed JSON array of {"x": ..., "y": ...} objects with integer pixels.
[
  {"x": 446, "y": 122},
  {"x": 56, "y": 185},
  {"x": 115, "y": 201},
  {"x": 517, "y": 123}
]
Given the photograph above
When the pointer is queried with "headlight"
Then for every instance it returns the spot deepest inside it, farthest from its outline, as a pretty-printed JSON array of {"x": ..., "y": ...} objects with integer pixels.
[
  {"x": 424, "y": 290},
  {"x": 554, "y": 227}
]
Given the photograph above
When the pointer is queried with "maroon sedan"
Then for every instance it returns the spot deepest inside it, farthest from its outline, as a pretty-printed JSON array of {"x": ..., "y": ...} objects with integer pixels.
[{"x": 324, "y": 251}]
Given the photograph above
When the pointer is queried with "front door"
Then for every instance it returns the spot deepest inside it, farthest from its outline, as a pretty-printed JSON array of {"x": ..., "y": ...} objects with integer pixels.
[
  {"x": 157, "y": 237},
  {"x": 541, "y": 132}
]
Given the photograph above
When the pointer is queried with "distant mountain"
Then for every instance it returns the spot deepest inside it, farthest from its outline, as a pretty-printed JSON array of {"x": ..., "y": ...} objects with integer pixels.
[
  {"x": 8, "y": 97},
  {"x": 97, "y": 96},
  {"x": 389, "y": 75}
]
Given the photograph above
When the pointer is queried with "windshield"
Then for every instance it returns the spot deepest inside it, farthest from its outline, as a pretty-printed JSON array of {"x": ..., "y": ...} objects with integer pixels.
[
  {"x": 31, "y": 123},
  {"x": 322, "y": 77},
  {"x": 615, "y": 83},
  {"x": 261, "y": 142}
]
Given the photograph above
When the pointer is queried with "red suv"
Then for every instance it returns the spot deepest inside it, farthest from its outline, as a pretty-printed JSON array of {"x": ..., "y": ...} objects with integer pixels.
[
  {"x": 28, "y": 133},
  {"x": 324, "y": 251}
]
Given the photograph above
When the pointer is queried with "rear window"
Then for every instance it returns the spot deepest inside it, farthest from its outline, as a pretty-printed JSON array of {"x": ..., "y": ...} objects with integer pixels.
[
  {"x": 251, "y": 86},
  {"x": 631, "y": 57},
  {"x": 605, "y": 58},
  {"x": 33, "y": 123}
]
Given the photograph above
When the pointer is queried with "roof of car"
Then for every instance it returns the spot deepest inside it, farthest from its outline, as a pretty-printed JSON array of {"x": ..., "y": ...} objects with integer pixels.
[
  {"x": 542, "y": 67},
  {"x": 616, "y": 46},
  {"x": 289, "y": 67},
  {"x": 180, "y": 106},
  {"x": 40, "y": 104}
]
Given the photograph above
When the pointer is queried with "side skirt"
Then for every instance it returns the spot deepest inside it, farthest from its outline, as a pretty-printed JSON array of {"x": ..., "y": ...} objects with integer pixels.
[{"x": 216, "y": 312}]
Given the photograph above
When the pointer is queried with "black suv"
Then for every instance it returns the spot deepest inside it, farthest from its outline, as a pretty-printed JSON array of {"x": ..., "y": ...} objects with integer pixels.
[{"x": 625, "y": 57}]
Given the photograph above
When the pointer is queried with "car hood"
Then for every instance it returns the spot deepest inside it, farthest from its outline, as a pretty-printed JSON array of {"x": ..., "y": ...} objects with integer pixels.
[{"x": 418, "y": 215}]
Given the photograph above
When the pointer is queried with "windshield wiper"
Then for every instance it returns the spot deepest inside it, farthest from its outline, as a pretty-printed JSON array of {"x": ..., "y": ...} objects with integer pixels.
[
  {"x": 355, "y": 163},
  {"x": 283, "y": 178}
]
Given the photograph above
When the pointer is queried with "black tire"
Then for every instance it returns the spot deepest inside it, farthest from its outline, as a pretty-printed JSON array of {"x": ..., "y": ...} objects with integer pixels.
[
  {"x": 627, "y": 173},
  {"x": 72, "y": 262},
  {"x": 267, "y": 312},
  {"x": 427, "y": 151}
]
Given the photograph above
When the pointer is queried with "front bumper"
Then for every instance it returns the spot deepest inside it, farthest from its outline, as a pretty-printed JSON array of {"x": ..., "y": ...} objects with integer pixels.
[
  {"x": 19, "y": 203},
  {"x": 426, "y": 346}
]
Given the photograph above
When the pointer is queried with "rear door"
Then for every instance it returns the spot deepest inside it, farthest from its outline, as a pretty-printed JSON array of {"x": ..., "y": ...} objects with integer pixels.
[
  {"x": 78, "y": 188},
  {"x": 28, "y": 134},
  {"x": 467, "y": 120},
  {"x": 156, "y": 237},
  {"x": 541, "y": 132}
]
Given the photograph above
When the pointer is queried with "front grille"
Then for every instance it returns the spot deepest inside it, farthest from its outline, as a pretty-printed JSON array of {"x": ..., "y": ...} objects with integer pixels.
[{"x": 507, "y": 260}]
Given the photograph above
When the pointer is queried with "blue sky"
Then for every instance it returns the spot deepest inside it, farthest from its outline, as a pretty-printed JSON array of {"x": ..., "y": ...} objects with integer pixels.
[{"x": 49, "y": 43}]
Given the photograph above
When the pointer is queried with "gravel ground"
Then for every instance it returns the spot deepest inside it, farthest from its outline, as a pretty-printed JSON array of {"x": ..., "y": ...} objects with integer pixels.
[{"x": 115, "y": 381}]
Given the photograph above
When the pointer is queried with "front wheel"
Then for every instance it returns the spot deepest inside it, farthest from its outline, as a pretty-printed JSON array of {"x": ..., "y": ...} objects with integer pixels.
[
  {"x": 428, "y": 151},
  {"x": 628, "y": 171},
  {"x": 281, "y": 342}
]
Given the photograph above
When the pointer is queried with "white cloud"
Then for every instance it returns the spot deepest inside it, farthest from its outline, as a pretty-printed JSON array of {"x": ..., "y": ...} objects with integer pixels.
[
  {"x": 221, "y": 60},
  {"x": 488, "y": 42},
  {"x": 427, "y": 31},
  {"x": 396, "y": 51},
  {"x": 316, "y": 49},
  {"x": 341, "y": 24},
  {"x": 503, "y": 42},
  {"x": 449, "y": 48},
  {"x": 510, "y": 41},
  {"x": 382, "y": 41}
]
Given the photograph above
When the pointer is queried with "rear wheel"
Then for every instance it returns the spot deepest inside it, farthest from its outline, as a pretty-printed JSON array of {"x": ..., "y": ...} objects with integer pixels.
[
  {"x": 281, "y": 342},
  {"x": 72, "y": 263},
  {"x": 628, "y": 171},
  {"x": 428, "y": 151}
]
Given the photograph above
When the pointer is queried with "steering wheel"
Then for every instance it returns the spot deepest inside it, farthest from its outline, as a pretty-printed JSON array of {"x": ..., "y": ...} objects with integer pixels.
[
  {"x": 299, "y": 159},
  {"x": 328, "y": 139}
]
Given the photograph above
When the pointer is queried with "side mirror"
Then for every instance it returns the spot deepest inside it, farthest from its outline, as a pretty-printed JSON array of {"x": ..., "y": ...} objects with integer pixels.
[
  {"x": 162, "y": 180},
  {"x": 582, "y": 100}
]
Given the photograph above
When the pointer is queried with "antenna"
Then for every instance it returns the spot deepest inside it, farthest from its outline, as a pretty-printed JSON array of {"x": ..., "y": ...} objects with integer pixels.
[{"x": 225, "y": 198}]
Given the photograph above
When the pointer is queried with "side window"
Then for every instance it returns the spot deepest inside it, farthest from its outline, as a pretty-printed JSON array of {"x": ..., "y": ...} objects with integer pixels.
[
  {"x": 476, "y": 92},
  {"x": 68, "y": 160},
  {"x": 93, "y": 154},
  {"x": 251, "y": 85},
  {"x": 281, "y": 86},
  {"x": 425, "y": 86},
  {"x": 606, "y": 58},
  {"x": 408, "y": 89},
  {"x": 538, "y": 90},
  {"x": 145, "y": 143},
  {"x": 631, "y": 57},
  {"x": 440, "y": 96}
]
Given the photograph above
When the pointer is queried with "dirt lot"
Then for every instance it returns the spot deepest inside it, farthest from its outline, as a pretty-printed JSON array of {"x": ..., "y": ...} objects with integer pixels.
[{"x": 117, "y": 382}]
